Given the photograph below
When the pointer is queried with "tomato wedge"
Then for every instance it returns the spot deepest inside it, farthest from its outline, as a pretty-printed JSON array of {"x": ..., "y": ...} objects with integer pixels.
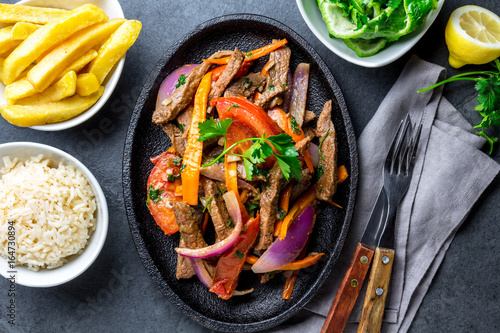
[
  {"x": 161, "y": 190},
  {"x": 231, "y": 262}
]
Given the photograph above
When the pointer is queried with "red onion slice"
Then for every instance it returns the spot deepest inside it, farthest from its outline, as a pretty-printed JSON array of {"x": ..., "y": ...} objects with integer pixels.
[
  {"x": 314, "y": 153},
  {"x": 167, "y": 87},
  {"x": 283, "y": 252},
  {"x": 233, "y": 209},
  {"x": 298, "y": 93}
]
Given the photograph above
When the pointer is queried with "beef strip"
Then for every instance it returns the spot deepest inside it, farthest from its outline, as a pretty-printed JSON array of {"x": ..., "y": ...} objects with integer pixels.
[
  {"x": 277, "y": 76},
  {"x": 327, "y": 183},
  {"x": 269, "y": 207},
  {"x": 182, "y": 95},
  {"x": 309, "y": 116},
  {"x": 189, "y": 220},
  {"x": 227, "y": 75},
  {"x": 303, "y": 144},
  {"x": 301, "y": 185},
  {"x": 245, "y": 86},
  {"x": 217, "y": 209},
  {"x": 178, "y": 137}
]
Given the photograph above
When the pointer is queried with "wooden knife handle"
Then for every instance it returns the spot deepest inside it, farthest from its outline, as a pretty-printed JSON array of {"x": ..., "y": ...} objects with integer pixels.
[
  {"x": 376, "y": 293},
  {"x": 348, "y": 291}
]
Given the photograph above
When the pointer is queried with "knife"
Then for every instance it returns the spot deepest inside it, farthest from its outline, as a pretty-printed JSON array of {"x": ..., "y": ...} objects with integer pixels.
[{"x": 356, "y": 272}]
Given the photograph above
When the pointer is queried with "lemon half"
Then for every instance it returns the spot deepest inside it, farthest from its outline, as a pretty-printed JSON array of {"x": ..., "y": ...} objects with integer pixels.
[{"x": 472, "y": 36}]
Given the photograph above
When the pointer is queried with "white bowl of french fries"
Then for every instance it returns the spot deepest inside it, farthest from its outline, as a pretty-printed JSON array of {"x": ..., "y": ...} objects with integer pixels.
[{"x": 60, "y": 60}]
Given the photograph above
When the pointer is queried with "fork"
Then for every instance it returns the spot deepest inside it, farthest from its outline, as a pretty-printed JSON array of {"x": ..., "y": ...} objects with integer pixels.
[{"x": 397, "y": 172}]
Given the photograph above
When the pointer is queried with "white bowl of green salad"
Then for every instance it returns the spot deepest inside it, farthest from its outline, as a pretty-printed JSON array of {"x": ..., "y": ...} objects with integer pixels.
[{"x": 369, "y": 33}]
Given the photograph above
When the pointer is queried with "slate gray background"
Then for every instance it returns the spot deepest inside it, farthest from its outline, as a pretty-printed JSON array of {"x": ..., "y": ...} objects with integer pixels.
[{"x": 116, "y": 295}]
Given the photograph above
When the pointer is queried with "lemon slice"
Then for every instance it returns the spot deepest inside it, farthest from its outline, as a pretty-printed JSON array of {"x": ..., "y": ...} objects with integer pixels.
[{"x": 472, "y": 36}]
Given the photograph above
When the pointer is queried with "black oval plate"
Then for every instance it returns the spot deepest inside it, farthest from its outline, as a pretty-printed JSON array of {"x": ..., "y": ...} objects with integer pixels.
[{"x": 264, "y": 308}]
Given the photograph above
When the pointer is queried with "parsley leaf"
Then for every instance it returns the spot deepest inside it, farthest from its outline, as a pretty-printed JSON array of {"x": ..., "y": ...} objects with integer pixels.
[
  {"x": 176, "y": 161},
  {"x": 154, "y": 195},
  {"x": 290, "y": 166},
  {"x": 181, "y": 127},
  {"x": 320, "y": 170},
  {"x": 183, "y": 166},
  {"x": 295, "y": 126},
  {"x": 181, "y": 81},
  {"x": 239, "y": 254},
  {"x": 230, "y": 223},
  {"x": 211, "y": 128},
  {"x": 488, "y": 86},
  {"x": 251, "y": 206}
]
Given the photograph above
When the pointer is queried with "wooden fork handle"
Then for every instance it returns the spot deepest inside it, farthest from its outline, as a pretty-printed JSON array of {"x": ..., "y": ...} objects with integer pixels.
[
  {"x": 349, "y": 290},
  {"x": 376, "y": 292}
]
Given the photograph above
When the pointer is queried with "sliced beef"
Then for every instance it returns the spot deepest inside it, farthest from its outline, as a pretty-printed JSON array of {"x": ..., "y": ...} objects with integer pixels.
[
  {"x": 277, "y": 76},
  {"x": 302, "y": 144},
  {"x": 177, "y": 136},
  {"x": 182, "y": 96},
  {"x": 217, "y": 209},
  {"x": 189, "y": 220},
  {"x": 269, "y": 207},
  {"x": 216, "y": 172},
  {"x": 301, "y": 185},
  {"x": 309, "y": 116},
  {"x": 245, "y": 86},
  {"x": 227, "y": 75},
  {"x": 327, "y": 183}
]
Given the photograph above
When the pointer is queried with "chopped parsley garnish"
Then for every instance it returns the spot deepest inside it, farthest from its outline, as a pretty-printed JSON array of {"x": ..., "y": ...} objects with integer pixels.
[
  {"x": 181, "y": 81},
  {"x": 283, "y": 84},
  {"x": 221, "y": 189},
  {"x": 320, "y": 170},
  {"x": 271, "y": 87},
  {"x": 247, "y": 83},
  {"x": 176, "y": 161},
  {"x": 154, "y": 195},
  {"x": 207, "y": 202},
  {"x": 321, "y": 145},
  {"x": 230, "y": 223},
  {"x": 183, "y": 166},
  {"x": 281, "y": 214},
  {"x": 171, "y": 177},
  {"x": 251, "y": 206},
  {"x": 295, "y": 126},
  {"x": 248, "y": 54},
  {"x": 181, "y": 127},
  {"x": 239, "y": 254},
  {"x": 260, "y": 172}
]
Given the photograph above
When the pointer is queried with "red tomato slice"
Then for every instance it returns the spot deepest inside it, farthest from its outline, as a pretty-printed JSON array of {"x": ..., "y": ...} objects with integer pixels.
[{"x": 161, "y": 190}]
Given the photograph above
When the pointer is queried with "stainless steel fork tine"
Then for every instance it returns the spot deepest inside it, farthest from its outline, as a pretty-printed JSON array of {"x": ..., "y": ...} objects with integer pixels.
[
  {"x": 390, "y": 153},
  {"x": 398, "y": 155},
  {"x": 412, "y": 149}
]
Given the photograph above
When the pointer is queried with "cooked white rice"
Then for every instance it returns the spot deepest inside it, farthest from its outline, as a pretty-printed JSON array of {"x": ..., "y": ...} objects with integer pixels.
[{"x": 52, "y": 207}]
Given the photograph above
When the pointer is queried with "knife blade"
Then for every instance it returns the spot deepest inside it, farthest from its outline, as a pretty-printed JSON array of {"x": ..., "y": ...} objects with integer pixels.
[{"x": 358, "y": 267}]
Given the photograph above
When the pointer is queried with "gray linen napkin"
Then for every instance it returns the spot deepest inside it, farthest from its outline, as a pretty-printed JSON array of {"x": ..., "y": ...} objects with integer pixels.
[{"x": 449, "y": 176}]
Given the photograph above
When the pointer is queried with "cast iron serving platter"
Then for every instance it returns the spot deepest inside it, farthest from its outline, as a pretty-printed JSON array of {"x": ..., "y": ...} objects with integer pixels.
[{"x": 264, "y": 308}]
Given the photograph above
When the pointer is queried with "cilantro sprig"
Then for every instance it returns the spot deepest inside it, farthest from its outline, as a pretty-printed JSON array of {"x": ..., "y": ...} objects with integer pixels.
[
  {"x": 261, "y": 149},
  {"x": 488, "y": 86}
]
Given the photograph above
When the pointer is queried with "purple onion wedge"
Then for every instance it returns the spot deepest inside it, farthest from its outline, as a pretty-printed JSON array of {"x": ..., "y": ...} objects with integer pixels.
[
  {"x": 314, "y": 153},
  {"x": 298, "y": 93},
  {"x": 201, "y": 271},
  {"x": 283, "y": 252},
  {"x": 167, "y": 87},
  {"x": 233, "y": 209}
]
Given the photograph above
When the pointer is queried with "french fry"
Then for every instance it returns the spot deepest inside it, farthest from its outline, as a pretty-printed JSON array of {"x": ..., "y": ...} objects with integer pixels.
[
  {"x": 1, "y": 68},
  {"x": 22, "y": 88},
  {"x": 63, "y": 88},
  {"x": 47, "y": 70},
  {"x": 6, "y": 41},
  {"x": 49, "y": 35},
  {"x": 21, "y": 30},
  {"x": 114, "y": 48},
  {"x": 32, "y": 115},
  {"x": 20, "y": 13},
  {"x": 86, "y": 84}
]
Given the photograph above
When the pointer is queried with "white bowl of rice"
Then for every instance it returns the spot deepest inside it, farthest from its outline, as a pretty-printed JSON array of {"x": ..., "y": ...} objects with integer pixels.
[{"x": 53, "y": 215}]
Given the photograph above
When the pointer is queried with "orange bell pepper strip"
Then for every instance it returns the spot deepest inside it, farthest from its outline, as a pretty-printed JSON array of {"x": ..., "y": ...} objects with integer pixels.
[
  {"x": 305, "y": 200},
  {"x": 251, "y": 55},
  {"x": 231, "y": 177},
  {"x": 217, "y": 71},
  {"x": 310, "y": 260},
  {"x": 284, "y": 204},
  {"x": 342, "y": 174},
  {"x": 285, "y": 123},
  {"x": 161, "y": 190},
  {"x": 231, "y": 262},
  {"x": 194, "y": 148}
]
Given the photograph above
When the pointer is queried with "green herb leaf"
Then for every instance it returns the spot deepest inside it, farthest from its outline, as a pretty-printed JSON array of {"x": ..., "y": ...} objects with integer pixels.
[
  {"x": 250, "y": 206},
  {"x": 239, "y": 254},
  {"x": 230, "y": 223},
  {"x": 207, "y": 202},
  {"x": 320, "y": 170},
  {"x": 290, "y": 166},
  {"x": 248, "y": 54},
  {"x": 281, "y": 214},
  {"x": 321, "y": 145},
  {"x": 295, "y": 126},
  {"x": 183, "y": 166},
  {"x": 211, "y": 128},
  {"x": 176, "y": 161},
  {"x": 181, "y": 81},
  {"x": 271, "y": 87},
  {"x": 154, "y": 195},
  {"x": 247, "y": 83},
  {"x": 181, "y": 127}
]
